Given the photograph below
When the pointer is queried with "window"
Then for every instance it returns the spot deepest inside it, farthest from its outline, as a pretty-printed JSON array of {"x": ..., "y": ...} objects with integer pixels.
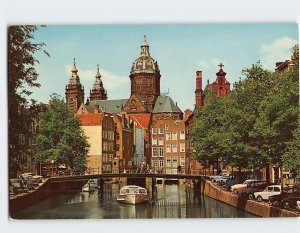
[
  {"x": 154, "y": 151},
  {"x": 168, "y": 162},
  {"x": 182, "y": 147},
  {"x": 174, "y": 162},
  {"x": 154, "y": 130},
  {"x": 182, "y": 161},
  {"x": 168, "y": 148},
  {"x": 276, "y": 189},
  {"x": 154, "y": 141},
  {"x": 161, "y": 152},
  {"x": 168, "y": 171},
  {"x": 182, "y": 135},
  {"x": 174, "y": 147},
  {"x": 117, "y": 136},
  {"x": 168, "y": 136},
  {"x": 117, "y": 147},
  {"x": 161, "y": 163},
  {"x": 161, "y": 141},
  {"x": 154, "y": 163},
  {"x": 174, "y": 135},
  {"x": 166, "y": 127},
  {"x": 161, "y": 130}
]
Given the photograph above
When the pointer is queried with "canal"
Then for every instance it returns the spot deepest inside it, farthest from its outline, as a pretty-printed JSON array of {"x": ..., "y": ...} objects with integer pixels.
[{"x": 168, "y": 201}]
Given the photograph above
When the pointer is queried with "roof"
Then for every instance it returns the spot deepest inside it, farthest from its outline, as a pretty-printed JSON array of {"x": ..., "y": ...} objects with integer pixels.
[
  {"x": 109, "y": 106},
  {"x": 90, "y": 119},
  {"x": 165, "y": 104},
  {"x": 142, "y": 120}
]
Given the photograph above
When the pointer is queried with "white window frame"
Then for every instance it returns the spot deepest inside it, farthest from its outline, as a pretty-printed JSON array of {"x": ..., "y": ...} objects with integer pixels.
[
  {"x": 161, "y": 163},
  {"x": 168, "y": 136},
  {"x": 174, "y": 136},
  {"x": 168, "y": 161},
  {"x": 182, "y": 161},
  {"x": 174, "y": 162},
  {"x": 154, "y": 149},
  {"x": 161, "y": 152},
  {"x": 168, "y": 148},
  {"x": 182, "y": 147},
  {"x": 161, "y": 130},
  {"x": 154, "y": 130},
  {"x": 166, "y": 127},
  {"x": 174, "y": 148},
  {"x": 154, "y": 141},
  {"x": 154, "y": 163},
  {"x": 161, "y": 141},
  {"x": 182, "y": 135}
]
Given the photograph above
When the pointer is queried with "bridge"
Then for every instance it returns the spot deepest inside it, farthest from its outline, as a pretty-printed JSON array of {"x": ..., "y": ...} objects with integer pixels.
[{"x": 123, "y": 175}]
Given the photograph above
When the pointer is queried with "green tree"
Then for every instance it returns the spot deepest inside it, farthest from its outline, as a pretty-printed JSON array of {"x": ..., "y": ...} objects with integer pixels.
[
  {"x": 60, "y": 137},
  {"x": 21, "y": 74}
]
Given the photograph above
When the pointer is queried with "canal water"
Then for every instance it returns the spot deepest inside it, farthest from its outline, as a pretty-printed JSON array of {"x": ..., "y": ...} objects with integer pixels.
[{"x": 168, "y": 201}]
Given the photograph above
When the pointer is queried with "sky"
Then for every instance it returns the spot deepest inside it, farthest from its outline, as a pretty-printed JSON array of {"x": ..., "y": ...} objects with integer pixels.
[{"x": 179, "y": 49}]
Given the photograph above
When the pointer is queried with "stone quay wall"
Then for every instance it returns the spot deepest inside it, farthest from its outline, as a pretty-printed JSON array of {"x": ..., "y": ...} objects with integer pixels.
[{"x": 257, "y": 208}]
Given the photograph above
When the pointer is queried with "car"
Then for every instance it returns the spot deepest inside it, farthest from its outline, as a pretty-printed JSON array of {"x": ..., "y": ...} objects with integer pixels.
[
  {"x": 268, "y": 192},
  {"x": 17, "y": 186},
  {"x": 287, "y": 199},
  {"x": 246, "y": 182},
  {"x": 253, "y": 187},
  {"x": 30, "y": 181},
  {"x": 222, "y": 177},
  {"x": 38, "y": 178}
]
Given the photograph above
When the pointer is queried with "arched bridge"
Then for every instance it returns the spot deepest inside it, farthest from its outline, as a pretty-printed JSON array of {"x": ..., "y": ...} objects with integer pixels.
[{"x": 123, "y": 175}]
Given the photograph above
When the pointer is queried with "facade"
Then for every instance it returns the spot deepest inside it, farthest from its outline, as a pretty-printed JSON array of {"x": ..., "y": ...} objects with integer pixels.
[
  {"x": 98, "y": 127},
  {"x": 124, "y": 143},
  {"x": 283, "y": 67},
  {"x": 168, "y": 146}
]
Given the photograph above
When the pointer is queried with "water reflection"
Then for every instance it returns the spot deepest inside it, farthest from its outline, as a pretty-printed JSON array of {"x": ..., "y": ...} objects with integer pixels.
[{"x": 167, "y": 201}]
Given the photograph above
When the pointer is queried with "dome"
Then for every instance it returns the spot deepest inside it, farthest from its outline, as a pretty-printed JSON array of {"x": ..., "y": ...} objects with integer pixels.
[{"x": 145, "y": 63}]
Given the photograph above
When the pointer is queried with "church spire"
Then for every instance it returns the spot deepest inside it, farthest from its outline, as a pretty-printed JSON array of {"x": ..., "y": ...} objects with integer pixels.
[
  {"x": 145, "y": 48},
  {"x": 98, "y": 92},
  {"x": 74, "y": 79}
]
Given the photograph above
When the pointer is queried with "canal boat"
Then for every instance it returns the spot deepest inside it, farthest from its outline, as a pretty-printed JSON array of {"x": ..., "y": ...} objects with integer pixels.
[
  {"x": 88, "y": 188},
  {"x": 133, "y": 194}
]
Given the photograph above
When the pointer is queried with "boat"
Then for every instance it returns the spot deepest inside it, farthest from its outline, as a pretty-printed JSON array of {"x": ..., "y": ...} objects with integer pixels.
[
  {"x": 133, "y": 194},
  {"x": 88, "y": 188},
  {"x": 93, "y": 183}
]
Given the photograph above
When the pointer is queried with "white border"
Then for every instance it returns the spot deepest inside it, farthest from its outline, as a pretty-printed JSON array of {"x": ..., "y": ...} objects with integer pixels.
[{"x": 134, "y": 11}]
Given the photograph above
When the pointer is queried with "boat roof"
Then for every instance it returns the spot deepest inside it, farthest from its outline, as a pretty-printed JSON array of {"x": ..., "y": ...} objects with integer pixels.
[{"x": 131, "y": 186}]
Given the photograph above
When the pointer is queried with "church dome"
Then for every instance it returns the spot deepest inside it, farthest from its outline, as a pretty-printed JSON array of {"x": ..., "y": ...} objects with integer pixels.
[{"x": 145, "y": 63}]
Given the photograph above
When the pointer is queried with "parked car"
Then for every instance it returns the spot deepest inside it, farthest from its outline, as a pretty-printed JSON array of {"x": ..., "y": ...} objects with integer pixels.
[
  {"x": 17, "y": 186},
  {"x": 38, "y": 178},
  {"x": 246, "y": 182},
  {"x": 253, "y": 187},
  {"x": 222, "y": 177},
  {"x": 268, "y": 192},
  {"x": 288, "y": 198},
  {"x": 30, "y": 181}
]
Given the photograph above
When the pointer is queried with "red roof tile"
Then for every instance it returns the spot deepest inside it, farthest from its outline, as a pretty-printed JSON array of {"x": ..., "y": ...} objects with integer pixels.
[
  {"x": 90, "y": 119},
  {"x": 142, "y": 120}
]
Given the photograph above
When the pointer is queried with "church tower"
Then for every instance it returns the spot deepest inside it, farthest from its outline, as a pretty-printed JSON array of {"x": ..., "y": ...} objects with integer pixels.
[
  {"x": 74, "y": 90},
  {"x": 98, "y": 92},
  {"x": 221, "y": 86},
  {"x": 145, "y": 77}
]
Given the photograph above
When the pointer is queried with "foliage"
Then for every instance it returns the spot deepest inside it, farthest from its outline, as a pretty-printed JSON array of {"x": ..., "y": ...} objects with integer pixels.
[
  {"x": 60, "y": 137},
  {"x": 254, "y": 125},
  {"x": 21, "y": 73}
]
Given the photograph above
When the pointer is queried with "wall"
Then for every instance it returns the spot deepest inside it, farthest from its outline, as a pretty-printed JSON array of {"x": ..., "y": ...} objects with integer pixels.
[
  {"x": 94, "y": 138},
  {"x": 257, "y": 208}
]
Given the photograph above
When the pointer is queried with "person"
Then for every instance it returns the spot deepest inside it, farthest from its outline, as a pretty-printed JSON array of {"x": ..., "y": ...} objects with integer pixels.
[{"x": 179, "y": 169}]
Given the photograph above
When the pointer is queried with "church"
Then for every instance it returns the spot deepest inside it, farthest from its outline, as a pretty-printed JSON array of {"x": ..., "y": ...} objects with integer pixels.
[{"x": 116, "y": 128}]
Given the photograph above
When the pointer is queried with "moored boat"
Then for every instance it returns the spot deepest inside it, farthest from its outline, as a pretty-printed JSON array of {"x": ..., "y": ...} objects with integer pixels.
[
  {"x": 133, "y": 194},
  {"x": 88, "y": 188}
]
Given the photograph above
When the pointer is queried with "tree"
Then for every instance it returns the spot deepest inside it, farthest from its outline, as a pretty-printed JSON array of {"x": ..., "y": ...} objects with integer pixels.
[
  {"x": 21, "y": 73},
  {"x": 60, "y": 137}
]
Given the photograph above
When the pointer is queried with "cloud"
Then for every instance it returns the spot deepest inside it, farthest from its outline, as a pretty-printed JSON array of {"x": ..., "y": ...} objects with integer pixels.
[
  {"x": 210, "y": 63},
  {"x": 110, "y": 80},
  {"x": 276, "y": 51}
]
